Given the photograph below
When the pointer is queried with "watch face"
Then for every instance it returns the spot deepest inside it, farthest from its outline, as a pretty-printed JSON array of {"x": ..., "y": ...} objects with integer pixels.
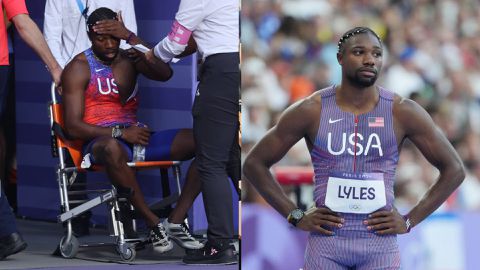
[
  {"x": 117, "y": 133},
  {"x": 297, "y": 214}
]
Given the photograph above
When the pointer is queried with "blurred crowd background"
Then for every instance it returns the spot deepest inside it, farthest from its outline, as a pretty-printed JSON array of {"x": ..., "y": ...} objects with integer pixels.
[{"x": 431, "y": 55}]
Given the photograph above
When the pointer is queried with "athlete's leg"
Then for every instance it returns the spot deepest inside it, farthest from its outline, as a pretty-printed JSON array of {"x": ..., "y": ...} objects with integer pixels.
[
  {"x": 319, "y": 262},
  {"x": 183, "y": 148},
  {"x": 327, "y": 253},
  {"x": 381, "y": 261},
  {"x": 114, "y": 156},
  {"x": 177, "y": 145}
]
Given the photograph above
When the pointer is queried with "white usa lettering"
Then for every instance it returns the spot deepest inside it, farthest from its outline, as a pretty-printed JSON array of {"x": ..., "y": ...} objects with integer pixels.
[
  {"x": 372, "y": 142},
  {"x": 111, "y": 86}
]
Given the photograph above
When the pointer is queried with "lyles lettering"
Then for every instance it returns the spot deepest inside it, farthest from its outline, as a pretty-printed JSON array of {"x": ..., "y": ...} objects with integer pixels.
[{"x": 363, "y": 193}]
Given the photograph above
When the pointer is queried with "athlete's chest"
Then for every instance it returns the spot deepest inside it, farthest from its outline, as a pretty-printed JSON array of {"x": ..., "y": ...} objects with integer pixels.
[{"x": 111, "y": 82}]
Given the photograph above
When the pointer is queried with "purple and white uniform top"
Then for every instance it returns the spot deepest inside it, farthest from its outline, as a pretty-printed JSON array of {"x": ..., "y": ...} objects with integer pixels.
[{"x": 354, "y": 159}]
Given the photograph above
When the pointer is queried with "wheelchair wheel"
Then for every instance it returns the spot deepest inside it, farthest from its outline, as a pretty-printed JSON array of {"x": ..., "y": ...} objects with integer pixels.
[
  {"x": 128, "y": 255},
  {"x": 70, "y": 249}
]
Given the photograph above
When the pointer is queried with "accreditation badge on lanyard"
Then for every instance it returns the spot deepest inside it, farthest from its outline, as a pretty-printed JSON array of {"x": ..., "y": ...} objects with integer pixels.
[{"x": 358, "y": 193}]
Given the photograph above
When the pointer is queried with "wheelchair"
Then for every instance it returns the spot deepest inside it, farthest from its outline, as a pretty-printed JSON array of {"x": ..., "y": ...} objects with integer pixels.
[{"x": 112, "y": 196}]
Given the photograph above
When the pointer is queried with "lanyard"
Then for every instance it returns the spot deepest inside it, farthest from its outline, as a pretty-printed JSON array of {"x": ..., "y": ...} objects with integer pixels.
[
  {"x": 82, "y": 9},
  {"x": 80, "y": 6}
]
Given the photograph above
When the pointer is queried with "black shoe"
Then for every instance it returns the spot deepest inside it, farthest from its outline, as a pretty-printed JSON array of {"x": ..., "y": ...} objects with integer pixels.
[
  {"x": 212, "y": 254},
  {"x": 11, "y": 244}
]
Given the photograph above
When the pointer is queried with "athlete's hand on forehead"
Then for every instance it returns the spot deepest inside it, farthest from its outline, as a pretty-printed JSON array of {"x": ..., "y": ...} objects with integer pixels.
[
  {"x": 115, "y": 28},
  {"x": 321, "y": 220},
  {"x": 386, "y": 222}
]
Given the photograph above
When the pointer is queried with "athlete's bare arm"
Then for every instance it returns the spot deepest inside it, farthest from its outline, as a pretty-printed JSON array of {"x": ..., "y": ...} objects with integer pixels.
[
  {"x": 76, "y": 77},
  {"x": 412, "y": 122},
  {"x": 299, "y": 121},
  {"x": 153, "y": 68}
]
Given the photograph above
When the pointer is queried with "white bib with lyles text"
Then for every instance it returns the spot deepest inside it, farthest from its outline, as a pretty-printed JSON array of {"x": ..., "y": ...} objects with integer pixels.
[{"x": 359, "y": 193}]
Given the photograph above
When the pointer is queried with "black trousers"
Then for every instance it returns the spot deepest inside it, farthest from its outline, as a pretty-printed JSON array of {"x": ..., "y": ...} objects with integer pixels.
[{"x": 215, "y": 129}]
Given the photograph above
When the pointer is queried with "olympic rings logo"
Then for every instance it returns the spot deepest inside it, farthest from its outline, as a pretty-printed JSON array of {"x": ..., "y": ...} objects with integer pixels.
[{"x": 355, "y": 206}]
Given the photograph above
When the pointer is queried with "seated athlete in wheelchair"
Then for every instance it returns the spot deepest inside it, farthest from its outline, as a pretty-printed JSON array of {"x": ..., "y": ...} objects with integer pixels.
[{"x": 100, "y": 106}]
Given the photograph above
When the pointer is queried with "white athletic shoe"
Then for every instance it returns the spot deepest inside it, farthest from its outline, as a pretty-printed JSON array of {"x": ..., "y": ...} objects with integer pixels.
[
  {"x": 181, "y": 235},
  {"x": 159, "y": 239}
]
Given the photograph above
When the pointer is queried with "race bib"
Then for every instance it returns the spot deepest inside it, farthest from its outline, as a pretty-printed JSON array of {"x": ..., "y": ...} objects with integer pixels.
[{"x": 358, "y": 193}]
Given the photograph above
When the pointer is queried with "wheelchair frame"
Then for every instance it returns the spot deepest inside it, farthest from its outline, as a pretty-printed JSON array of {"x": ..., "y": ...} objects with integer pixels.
[{"x": 69, "y": 244}]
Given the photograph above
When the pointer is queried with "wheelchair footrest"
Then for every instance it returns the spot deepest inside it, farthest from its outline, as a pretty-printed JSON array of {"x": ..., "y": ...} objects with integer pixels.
[{"x": 105, "y": 197}]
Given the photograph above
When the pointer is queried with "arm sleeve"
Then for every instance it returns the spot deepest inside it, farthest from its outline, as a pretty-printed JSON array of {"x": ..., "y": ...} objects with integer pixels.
[
  {"x": 14, "y": 7},
  {"x": 52, "y": 29},
  {"x": 190, "y": 14}
]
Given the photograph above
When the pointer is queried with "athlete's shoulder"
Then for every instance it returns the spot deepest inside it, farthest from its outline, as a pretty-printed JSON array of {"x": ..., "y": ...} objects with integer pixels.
[
  {"x": 303, "y": 113},
  {"x": 77, "y": 66},
  {"x": 403, "y": 105},
  {"x": 125, "y": 60},
  {"x": 409, "y": 114},
  {"x": 311, "y": 103}
]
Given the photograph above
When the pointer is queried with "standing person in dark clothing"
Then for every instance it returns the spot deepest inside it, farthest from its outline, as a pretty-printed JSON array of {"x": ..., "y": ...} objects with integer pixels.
[{"x": 214, "y": 26}]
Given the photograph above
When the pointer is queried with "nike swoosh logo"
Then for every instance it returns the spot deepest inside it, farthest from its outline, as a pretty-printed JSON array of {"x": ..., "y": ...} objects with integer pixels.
[
  {"x": 99, "y": 69},
  {"x": 330, "y": 121}
]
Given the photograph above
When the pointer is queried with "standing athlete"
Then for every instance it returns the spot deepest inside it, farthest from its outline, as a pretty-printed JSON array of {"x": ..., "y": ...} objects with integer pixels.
[{"x": 354, "y": 132}]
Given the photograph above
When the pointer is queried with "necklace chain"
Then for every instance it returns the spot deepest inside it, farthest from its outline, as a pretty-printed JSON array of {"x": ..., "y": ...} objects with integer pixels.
[{"x": 100, "y": 60}]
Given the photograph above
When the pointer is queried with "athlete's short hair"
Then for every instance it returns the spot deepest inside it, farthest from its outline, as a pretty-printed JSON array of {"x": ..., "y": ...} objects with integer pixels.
[
  {"x": 100, "y": 14},
  {"x": 352, "y": 32}
]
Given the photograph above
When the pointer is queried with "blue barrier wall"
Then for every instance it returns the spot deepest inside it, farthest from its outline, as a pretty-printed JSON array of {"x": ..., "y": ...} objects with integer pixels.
[{"x": 163, "y": 106}]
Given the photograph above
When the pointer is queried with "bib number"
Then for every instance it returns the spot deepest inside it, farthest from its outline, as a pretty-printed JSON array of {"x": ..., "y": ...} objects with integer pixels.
[{"x": 357, "y": 195}]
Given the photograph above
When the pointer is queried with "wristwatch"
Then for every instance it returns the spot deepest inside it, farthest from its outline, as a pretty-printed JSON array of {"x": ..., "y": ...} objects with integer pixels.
[
  {"x": 116, "y": 132},
  {"x": 295, "y": 216}
]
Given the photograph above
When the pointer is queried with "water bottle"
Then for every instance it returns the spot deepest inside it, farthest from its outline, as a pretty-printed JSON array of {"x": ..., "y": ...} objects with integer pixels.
[
  {"x": 138, "y": 149},
  {"x": 138, "y": 152}
]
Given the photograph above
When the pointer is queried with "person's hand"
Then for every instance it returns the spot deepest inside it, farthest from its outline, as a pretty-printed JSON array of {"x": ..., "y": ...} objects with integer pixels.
[
  {"x": 115, "y": 28},
  {"x": 56, "y": 76},
  {"x": 136, "y": 135},
  {"x": 134, "y": 55},
  {"x": 320, "y": 220},
  {"x": 386, "y": 222}
]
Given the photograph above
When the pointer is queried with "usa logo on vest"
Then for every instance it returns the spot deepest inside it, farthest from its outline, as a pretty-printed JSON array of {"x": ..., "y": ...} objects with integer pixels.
[
  {"x": 111, "y": 86},
  {"x": 373, "y": 142}
]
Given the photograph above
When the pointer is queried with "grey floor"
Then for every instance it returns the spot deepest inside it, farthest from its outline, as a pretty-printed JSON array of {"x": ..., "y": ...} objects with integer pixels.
[{"x": 43, "y": 238}]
